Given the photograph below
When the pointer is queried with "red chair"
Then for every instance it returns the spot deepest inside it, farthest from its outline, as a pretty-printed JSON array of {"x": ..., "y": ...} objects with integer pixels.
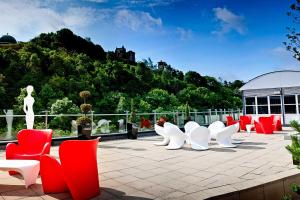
[
  {"x": 244, "y": 120},
  {"x": 265, "y": 125},
  {"x": 77, "y": 171},
  {"x": 276, "y": 119},
  {"x": 32, "y": 143},
  {"x": 230, "y": 121}
]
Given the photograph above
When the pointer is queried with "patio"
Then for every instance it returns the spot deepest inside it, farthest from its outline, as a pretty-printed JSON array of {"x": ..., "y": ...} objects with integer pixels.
[{"x": 136, "y": 169}]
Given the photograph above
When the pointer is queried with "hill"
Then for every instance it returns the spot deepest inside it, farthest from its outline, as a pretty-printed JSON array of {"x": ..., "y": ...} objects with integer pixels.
[{"x": 62, "y": 64}]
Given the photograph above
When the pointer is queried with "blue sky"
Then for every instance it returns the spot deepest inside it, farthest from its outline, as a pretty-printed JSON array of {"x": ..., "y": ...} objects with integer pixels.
[{"x": 231, "y": 39}]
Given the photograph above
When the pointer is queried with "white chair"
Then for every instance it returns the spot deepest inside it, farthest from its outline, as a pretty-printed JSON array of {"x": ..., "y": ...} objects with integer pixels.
[
  {"x": 224, "y": 137},
  {"x": 176, "y": 136},
  {"x": 214, "y": 128},
  {"x": 168, "y": 124},
  {"x": 187, "y": 129},
  {"x": 237, "y": 128},
  {"x": 161, "y": 131},
  {"x": 199, "y": 137}
]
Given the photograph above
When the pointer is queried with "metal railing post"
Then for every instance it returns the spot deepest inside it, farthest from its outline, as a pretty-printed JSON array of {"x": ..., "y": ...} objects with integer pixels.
[
  {"x": 177, "y": 118},
  {"x": 209, "y": 116},
  {"x": 126, "y": 121},
  {"x": 92, "y": 116}
]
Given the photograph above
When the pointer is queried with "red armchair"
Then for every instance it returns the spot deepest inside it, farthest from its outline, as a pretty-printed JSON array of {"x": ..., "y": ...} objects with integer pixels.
[
  {"x": 244, "y": 120},
  {"x": 264, "y": 125},
  {"x": 230, "y": 121},
  {"x": 276, "y": 119},
  {"x": 77, "y": 171},
  {"x": 32, "y": 143}
]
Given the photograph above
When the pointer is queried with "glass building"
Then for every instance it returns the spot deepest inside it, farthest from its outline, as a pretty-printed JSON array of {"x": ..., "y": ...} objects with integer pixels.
[{"x": 276, "y": 92}]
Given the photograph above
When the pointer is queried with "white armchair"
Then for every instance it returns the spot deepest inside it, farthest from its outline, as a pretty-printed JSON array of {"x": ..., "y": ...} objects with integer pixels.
[
  {"x": 224, "y": 137},
  {"x": 161, "y": 131},
  {"x": 176, "y": 136},
  {"x": 199, "y": 137},
  {"x": 187, "y": 129},
  {"x": 215, "y": 127},
  {"x": 237, "y": 128}
]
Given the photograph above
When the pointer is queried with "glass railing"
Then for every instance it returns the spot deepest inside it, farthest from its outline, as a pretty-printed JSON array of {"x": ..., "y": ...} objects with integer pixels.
[{"x": 64, "y": 125}]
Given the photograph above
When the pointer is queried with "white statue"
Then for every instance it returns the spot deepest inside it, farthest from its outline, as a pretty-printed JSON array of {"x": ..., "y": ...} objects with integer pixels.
[
  {"x": 9, "y": 115},
  {"x": 28, "y": 107}
]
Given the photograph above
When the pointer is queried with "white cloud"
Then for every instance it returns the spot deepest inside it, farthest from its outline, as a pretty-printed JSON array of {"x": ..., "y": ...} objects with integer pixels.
[
  {"x": 148, "y": 3},
  {"x": 284, "y": 59},
  {"x": 136, "y": 20},
  {"x": 229, "y": 21},
  {"x": 26, "y": 19},
  {"x": 184, "y": 34},
  {"x": 97, "y": 1}
]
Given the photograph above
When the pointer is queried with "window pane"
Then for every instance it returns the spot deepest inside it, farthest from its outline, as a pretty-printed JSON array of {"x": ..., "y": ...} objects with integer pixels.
[
  {"x": 275, "y": 100},
  {"x": 290, "y": 99},
  {"x": 262, "y": 109},
  {"x": 250, "y": 109},
  {"x": 262, "y": 100},
  {"x": 250, "y": 100},
  {"x": 290, "y": 109},
  {"x": 275, "y": 109}
]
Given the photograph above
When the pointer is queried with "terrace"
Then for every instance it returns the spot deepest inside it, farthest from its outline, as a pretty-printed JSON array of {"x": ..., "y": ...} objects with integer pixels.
[{"x": 136, "y": 169}]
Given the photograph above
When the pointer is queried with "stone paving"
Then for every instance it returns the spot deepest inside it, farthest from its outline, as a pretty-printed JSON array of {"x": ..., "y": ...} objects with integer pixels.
[{"x": 136, "y": 169}]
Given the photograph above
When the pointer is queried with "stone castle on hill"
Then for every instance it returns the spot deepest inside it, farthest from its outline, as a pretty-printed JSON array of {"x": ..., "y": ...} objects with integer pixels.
[{"x": 122, "y": 55}]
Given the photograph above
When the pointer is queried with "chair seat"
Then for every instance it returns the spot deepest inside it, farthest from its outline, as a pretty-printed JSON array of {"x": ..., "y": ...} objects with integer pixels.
[{"x": 26, "y": 156}]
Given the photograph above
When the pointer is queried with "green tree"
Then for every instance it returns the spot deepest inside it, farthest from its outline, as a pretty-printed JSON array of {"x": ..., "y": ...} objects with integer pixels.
[{"x": 293, "y": 34}]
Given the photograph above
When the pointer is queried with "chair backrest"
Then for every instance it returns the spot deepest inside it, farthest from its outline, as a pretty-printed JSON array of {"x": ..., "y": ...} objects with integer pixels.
[
  {"x": 266, "y": 124},
  {"x": 159, "y": 130},
  {"x": 175, "y": 133},
  {"x": 34, "y": 140},
  {"x": 79, "y": 163},
  {"x": 229, "y": 119},
  {"x": 277, "y": 125},
  {"x": 199, "y": 131},
  {"x": 168, "y": 124},
  {"x": 216, "y": 126},
  {"x": 189, "y": 126},
  {"x": 244, "y": 120}
]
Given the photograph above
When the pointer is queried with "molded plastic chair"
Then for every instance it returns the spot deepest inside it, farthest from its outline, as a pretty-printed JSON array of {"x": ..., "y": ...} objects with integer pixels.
[
  {"x": 224, "y": 137},
  {"x": 161, "y": 131},
  {"x": 265, "y": 125},
  {"x": 237, "y": 128},
  {"x": 244, "y": 120},
  {"x": 230, "y": 121},
  {"x": 32, "y": 143},
  {"x": 199, "y": 137},
  {"x": 187, "y": 129},
  {"x": 177, "y": 137},
  {"x": 215, "y": 127},
  {"x": 277, "y": 126},
  {"x": 77, "y": 172},
  {"x": 168, "y": 124}
]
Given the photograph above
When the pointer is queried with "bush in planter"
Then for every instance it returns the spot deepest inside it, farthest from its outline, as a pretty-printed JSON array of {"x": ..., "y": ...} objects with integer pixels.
[
  {"x": 294, "y": 148},
  {"x": 84, "y": 123}
]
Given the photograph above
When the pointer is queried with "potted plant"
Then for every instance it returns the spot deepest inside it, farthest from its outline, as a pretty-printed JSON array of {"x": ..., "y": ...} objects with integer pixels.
[
  {"x": 132, "y": 129},
  {"x": 187, "y": 113},
  {"x": 161, "y": 121},
  {"x": 294, "y": 148},
  {"x": 84, "y": 123}
]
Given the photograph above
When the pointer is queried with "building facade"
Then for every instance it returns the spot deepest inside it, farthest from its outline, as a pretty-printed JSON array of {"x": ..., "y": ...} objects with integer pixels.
[{"x": 276, "y": 92}]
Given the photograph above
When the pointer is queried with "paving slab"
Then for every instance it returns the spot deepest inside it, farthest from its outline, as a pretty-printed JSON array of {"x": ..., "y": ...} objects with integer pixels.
[{"x": 137, "y": 169}]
